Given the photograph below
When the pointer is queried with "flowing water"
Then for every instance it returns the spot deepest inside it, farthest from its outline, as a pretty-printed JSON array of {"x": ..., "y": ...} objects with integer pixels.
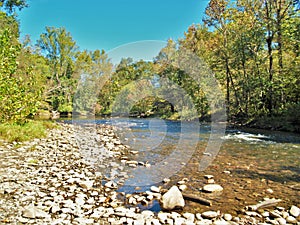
[{"x": 250, "y": 164}]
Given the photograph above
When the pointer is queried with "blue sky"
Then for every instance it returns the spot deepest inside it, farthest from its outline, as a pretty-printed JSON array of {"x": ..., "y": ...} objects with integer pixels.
[{"x": 107, "y": 24}]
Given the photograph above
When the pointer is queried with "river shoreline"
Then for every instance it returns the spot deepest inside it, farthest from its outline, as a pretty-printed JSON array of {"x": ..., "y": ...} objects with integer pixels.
[{"x": 53, "y": 181}]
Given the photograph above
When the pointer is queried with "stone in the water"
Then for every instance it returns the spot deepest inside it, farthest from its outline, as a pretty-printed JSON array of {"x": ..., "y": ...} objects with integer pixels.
[
  {"x": 111, "y": 184},
  {"x": 172, "y": 199},
  {"x": 295, "y": 211},
  {"x": 166, "y": 180},
  {"x": 154, "y": 189},
  {"x": 182, "y": 187},
  {"x": 212, "y": 188}
]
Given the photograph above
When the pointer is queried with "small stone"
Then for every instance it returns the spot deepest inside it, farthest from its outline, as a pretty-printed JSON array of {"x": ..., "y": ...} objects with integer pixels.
[
  {"x": 291, "y": 219},
  {"x": 208, "y": 177},
  {"x": 166, "y": 180},
  {"x": 270, "y": 191},
  {"x": 212, "y": 188},
  {"x": 189, "y": 216},
  {"x": 163, "y": 217},
  {"x": 281, "y": 221},
  {"x": 295, "y": 211},
  {"x": 210, "y": 181},
  {"x": 111, "y": 184},
  {"x": 265, "y": 214},
  {"x": 88, "y": 184},
  {"x": 227, "y": 217},
  {"x": 209, "y": 214},
  {"x": 221, "y": 222},
  {"x": 84, "y": 220},
  {"x": 179, "y": 221},
  {"x": 23, "y": 220},
  {"x": 155, "y": 189},
  {"x": 285, "y": 214},
  {"x": 182, "y": 187},
  {"x": 147, "y": 214},
  {"x": 55, "y": 208},
  {"x": 33, "y": 212},
  {"x": 181, "y": 182},
  {"x": 275, "y": 214}
]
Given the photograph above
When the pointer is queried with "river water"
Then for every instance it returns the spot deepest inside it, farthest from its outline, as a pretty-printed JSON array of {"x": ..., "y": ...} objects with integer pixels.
[{"x": 249, "y": 164}]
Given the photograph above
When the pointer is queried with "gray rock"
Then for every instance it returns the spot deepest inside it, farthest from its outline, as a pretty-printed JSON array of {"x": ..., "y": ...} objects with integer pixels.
[{"x": 172, "y": 199}]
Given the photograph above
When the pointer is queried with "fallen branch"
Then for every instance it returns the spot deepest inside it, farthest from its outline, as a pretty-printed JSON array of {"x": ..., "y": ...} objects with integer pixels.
[
  {"x": 198, "y": 199},
  {"x": 264, "y": 204}
]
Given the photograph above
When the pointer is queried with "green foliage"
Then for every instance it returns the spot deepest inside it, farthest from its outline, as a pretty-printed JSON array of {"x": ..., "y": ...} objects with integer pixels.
[
  {"x": 18, "y": 96},
  {"x": 58, "y": 46},
  {"x": 32, "y": 129},
  {"x": 91, "y": 68}
]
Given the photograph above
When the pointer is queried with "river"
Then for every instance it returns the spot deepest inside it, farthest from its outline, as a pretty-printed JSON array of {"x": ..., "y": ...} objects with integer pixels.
[{"x": 250, "y": 164}]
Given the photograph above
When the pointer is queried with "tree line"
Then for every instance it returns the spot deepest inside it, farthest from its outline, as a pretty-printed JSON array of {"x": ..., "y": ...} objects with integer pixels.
[{"x": 250, "y": 46}]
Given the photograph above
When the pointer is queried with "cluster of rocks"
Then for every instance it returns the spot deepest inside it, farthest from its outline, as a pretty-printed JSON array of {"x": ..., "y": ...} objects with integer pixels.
[{"x": 73, "y": 177}]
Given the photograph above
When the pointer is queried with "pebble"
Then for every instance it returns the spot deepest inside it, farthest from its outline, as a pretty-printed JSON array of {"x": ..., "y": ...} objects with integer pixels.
[
  {"x": 155, "y": 189},
  {"x": 227, "y": 217},
  {"x": 291, "y": 219},
  {"x": 212, "y": 188},
  {"x": 208, "y": 176},
  {"x": 209, "y": 214},
  {"x": 295, "y": 211}
]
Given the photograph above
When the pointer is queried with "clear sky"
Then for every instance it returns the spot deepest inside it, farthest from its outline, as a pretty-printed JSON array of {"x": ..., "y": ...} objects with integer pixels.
[{"x": 107, "y": 24}]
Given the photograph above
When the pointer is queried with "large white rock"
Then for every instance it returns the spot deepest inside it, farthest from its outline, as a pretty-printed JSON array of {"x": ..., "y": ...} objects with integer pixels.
[
  {"x": 172, "y": 199},
  {"x": 212, "y": 188}
]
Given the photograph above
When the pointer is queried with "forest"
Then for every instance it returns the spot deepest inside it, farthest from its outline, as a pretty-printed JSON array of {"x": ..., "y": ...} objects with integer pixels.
[{"x": 250, "y": 46}]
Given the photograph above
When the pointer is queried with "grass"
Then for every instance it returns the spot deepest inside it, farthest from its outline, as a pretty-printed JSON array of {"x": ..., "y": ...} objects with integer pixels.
[{"x": 26, "y": 132}]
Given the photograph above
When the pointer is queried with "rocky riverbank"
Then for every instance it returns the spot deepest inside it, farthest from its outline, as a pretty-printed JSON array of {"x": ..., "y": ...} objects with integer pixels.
[{"x": 58, "y": 180}]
